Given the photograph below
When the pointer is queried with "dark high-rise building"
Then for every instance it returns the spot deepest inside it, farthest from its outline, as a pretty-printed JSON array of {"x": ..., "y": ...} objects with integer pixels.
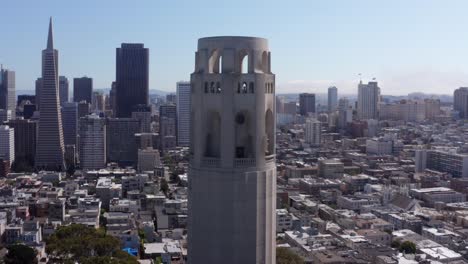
[
  {"x": 120, "y": 140},
  {"x": 63, "y": 89},
  {"x": 7, "y": 91},
  {"x": 70, "y": 122},
  {"x": 25, "y": 139},
  {"x": 82, "y": 89},
  {"x": 38, "y": 92},
  {"x": 306, "y": 103},
  {"x": 83, "y": 109},
  {"x": 28, "y": 110},
  {"x": 23, "y": 98},
  {"x": 168, "y": 126},
  {"x": 50, "y": 147},
  {"x": 132, "y": 78},
  {"x": 112, "y": 98},
  {"x": 460, "y": 101}
]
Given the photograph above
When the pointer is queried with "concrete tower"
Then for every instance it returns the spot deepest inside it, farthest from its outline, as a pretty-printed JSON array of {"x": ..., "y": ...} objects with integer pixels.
[
  {"x": 50, "y": 147},
  {"x": 232, "y": 176}
]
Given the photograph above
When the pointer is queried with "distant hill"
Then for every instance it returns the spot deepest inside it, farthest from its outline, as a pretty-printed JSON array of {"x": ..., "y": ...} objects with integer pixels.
[{"x": 103, "y": 90}]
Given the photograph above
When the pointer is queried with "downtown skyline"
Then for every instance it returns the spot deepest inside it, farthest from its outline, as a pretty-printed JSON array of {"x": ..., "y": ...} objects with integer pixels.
[{"x": 317, "y": 46}]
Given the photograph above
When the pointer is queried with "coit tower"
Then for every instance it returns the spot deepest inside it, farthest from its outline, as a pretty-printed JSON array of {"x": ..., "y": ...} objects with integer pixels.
[{"x": 232, "y": 175}]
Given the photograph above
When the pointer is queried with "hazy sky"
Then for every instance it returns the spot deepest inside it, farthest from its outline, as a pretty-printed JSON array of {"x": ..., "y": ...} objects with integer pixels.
[{"x": 417, "y": 45}]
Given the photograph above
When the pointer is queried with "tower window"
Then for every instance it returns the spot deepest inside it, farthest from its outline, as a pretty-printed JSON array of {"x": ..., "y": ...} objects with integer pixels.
[
  {"x": 218, "y": 87},
  {"x": 251, "y": 87},
  {"x": 244, "y": 87},
  {"x": 212, "y": 87},
  {"x": 206, "y": 87},
  {"x": 238, "y": 88}
]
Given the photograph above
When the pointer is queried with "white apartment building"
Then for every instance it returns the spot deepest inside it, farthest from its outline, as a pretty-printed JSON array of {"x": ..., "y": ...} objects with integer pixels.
[
  {"x": 283, "y": 220},
  {"x": 313, "y": 131},
  {"x": 183, "y": 113},
  {"x": 368, "y": 100},
  {"x": 7, "y": 143}
]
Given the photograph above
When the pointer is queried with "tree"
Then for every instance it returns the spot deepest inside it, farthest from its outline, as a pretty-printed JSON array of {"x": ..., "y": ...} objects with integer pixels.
[
  {"x": 286, "y": 256},
  {"x": 71, "y": 170},
  {"x": 396, "y": 244},
  {"x": 20, "y": 254},
  {"x": 164, "y": 186},
  {"x": 408, "y": 247},
  {"x": 82, "y": 244}
]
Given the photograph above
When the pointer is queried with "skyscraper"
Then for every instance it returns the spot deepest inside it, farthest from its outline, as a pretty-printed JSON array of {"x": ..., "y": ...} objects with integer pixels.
[
  {"x": 70, "y": 122},
  {"x": 120, "y": 140},
  {"x": 98, "y": 102},
  {"x": 132, "y": 78},
  {"x": 25, "y": 139},
  {"x": 460, "y": 101},
  {"x": 232, "y": 176},
  {"x": 7, "y": 91},
  {"x": 332, "y": 98},
  {"x": 306, "y": 104},
  {"x": 63, "y": 89},
  {"x": 5, "y": 115},
  {"x": 183, "y": 113},
  {"x": 112, "y": 98},
  {"x": 345, "y": 114},
  {"x": 82, "y": 89},
  {"x": 50, "y": 147},
  {"x": 7, "y": 143},
  {"x": 92, "y": 142},
  {"x": 83, "y": 109},
  {"x": 368, "y": 100},
  {"x": 168, "y": 126},
  {"x": 38, "y": 84},
  {"x": 313, "y": 132}
]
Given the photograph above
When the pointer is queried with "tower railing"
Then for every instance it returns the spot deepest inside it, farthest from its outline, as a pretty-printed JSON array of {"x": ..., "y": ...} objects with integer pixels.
[
  {"x": 211, "y": 162},
  {"x": 244, "y": 162}
]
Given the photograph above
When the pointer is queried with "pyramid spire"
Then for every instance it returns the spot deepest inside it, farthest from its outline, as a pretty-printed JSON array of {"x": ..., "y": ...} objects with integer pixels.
[{"x": 50, "y": 38}]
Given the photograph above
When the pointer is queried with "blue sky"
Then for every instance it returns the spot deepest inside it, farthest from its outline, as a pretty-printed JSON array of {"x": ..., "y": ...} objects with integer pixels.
[{"x": 418, "y": 45}]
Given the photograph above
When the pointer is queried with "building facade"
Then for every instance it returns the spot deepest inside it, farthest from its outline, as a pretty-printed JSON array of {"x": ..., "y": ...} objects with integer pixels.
[
  {"x": 332, "y": 99},
  {"x": 82, "y": 89},
  {"x": 132, "y": 78},
  {"x": 25, "y": 139},
  {"x": 7, "y": 91},
  {"x": 92, "y": 142},
  {"x": 70, "y": 122},
  {"x": 368, "y": 100},
  {"x": 7, "y": 143},
  {"x": 183, "y": 113},
  {"x": 168, "y": 126},
  {"x": 460, "y": 101},
  {"x": 63, "y": 90},
  {"x": 120, "y": 140},
  {"x": 313, "y": 131},
  {"x": 306, "y": 104}
]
